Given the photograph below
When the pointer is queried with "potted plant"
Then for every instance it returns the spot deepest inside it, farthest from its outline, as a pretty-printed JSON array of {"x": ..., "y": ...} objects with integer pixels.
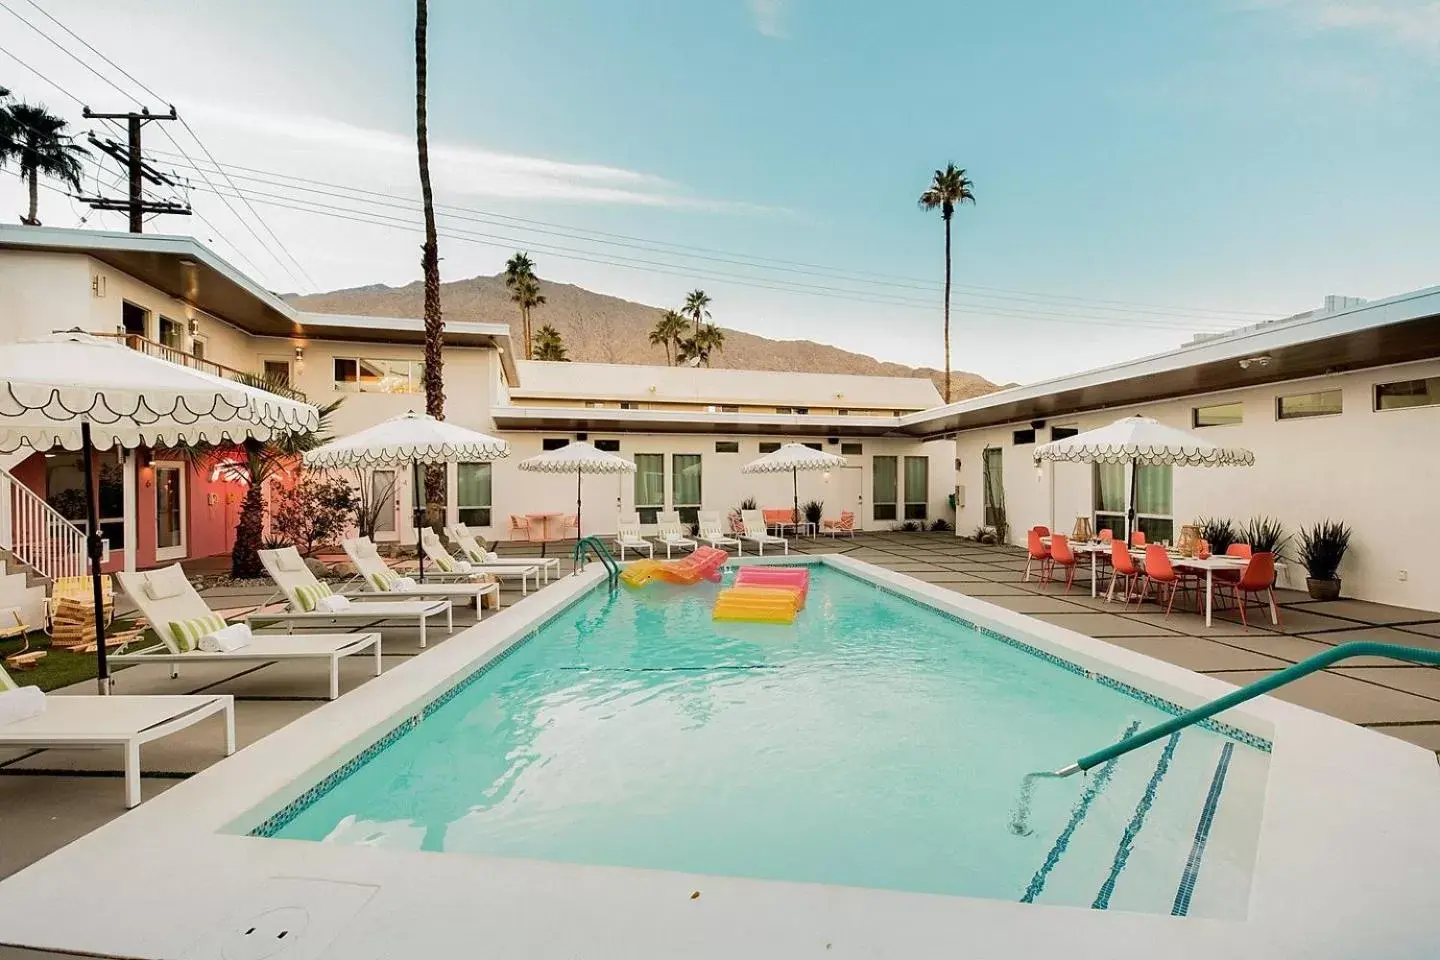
[
  {"x": 813, "y": 511},
  {"x": 1218, "y": 533},
  {"x": 1322, "y": 547},
  {"x": 1266, "y": 535}
]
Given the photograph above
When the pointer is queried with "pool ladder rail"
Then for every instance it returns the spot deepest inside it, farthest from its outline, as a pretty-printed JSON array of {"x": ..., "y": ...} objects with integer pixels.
[
  {"x": 1345, "y": 651},
  {"x": 602, "y": 553}
]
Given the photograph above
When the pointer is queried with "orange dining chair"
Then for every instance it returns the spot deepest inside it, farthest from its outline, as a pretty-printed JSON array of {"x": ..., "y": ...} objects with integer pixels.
[
  {"x": 1124, "y": 568},
  {"x": 1232, "y": 577},
  {"x": 1258, "y": 577},
  {"x": 1044, "y": 530},
  {"x": 1137, "y": 539},
  {"x": 1160, "y": 572},
  {"x": 1061, "y": 555},
  {"x": 1036, "y": 551}
]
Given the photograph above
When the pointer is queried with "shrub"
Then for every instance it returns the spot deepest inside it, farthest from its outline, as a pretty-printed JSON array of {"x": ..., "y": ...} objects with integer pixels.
[
  {"x": 273, "y": 542},
  {"x": 984, "y": 535},
  {"x": 1322, "y": 547},
  {"x": 813, "y": 511},
  {"x": 314, "y": 512},
  {"x": 1218, "y": 532},
  {"x": 749, "y": 503},
  {"x": 1266, "y": 535},
  {"x": 940, "y": 525},
  {"x": 909, "y": 526}
]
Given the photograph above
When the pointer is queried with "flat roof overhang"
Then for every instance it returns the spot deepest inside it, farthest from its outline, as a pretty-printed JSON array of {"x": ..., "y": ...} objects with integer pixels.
[
  {"x": 589, "y": 420},
  {"x": 1330, "y": 344}
]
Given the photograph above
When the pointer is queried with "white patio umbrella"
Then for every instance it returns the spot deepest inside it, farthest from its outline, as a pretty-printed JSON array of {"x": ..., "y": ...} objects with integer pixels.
[
  {"x": 579, "y": 458},
  {"x": 792, "y": 458},
  {"x": 1142, "y": 440},
  {"x": 82, "y": 392},
  {"x": 412, "y": 438}
]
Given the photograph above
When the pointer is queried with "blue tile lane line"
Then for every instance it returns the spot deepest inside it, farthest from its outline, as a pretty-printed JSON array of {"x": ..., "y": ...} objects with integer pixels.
[
  {"x": 1181, "y": 907},
  {"x": 1077, "y": 816},
  {"x": 1132, "y": 830}
]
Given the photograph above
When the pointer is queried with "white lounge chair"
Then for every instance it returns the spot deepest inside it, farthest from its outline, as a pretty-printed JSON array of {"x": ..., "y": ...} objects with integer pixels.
[
  {"x": 377, "y": 577},
  {"x": 627, "y": 537},
  {"x": 473, "y": 550},
  {"x": 712, "y": 531},
  {"x": 126, "y": 722},
  {"x": 166, "y": 598},
  {"x": 448, "y": 566},
  {"x": 671, "y": 532},
  {"x": 301, "y": 591},
  {"x": 756, "y": 532}
]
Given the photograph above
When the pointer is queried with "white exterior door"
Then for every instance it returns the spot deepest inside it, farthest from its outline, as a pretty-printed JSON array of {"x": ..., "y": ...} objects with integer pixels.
[
  {"x": 852, "y": 494},
  {"x": 169, "y": 511}
]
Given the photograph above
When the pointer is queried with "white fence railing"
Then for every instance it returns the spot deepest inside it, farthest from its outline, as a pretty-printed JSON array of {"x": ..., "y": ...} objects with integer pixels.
[{"x": 37, "y": 534}]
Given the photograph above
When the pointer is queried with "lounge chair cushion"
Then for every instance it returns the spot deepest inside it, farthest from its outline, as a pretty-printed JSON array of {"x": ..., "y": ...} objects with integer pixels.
[
  {"x": 167, "y": 582},
  {"x": 21, "y": 703},
  {"x": 384, "y": 580},
  {"x": 477, "y": 556},
  {"x": 6, "y": 682},
  {"x": 444, "y": 562},
  {"x": 307, "y": 594},
  {"x": 186, "y": 634}
]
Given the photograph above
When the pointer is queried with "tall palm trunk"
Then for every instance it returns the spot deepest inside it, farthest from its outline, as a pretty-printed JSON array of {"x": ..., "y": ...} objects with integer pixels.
[
  {"x": 430, "y": 264},
  {"x": 947, "y": 308},
  {"x": 32, "y": 176},
  {"x": 250, "y": 530}
]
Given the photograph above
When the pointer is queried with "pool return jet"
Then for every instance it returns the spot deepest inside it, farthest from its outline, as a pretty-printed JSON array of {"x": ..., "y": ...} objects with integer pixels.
[{"x": 1345, "y": 651}]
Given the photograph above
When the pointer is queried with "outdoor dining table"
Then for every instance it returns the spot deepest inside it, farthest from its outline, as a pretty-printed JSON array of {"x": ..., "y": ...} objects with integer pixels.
[
  {"x": 1209, "y": 564},
  {"x": 538, "y": 528}
]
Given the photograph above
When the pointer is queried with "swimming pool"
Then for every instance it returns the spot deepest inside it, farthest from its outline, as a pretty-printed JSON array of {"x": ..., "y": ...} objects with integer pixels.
[{"x": 876, "y": 742}]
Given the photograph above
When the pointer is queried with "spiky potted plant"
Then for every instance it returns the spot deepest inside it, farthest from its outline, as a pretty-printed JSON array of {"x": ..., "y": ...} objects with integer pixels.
[
  {"x": 813, "y": 511},
  {"x": 1322, "y": 547}
]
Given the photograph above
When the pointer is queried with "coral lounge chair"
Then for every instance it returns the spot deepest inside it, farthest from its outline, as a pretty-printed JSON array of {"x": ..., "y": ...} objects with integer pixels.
[
  {"x": 777, "y": 519},
  {"x": 628, "y": 537},
  {"x": 712, "y": 531},
  {"x": 125, "y": 722},
  {"x": 377, "y": 576},
  {"x": 474, "y": 551},
  {"x": 448, "y": 566},
  {"x": 845, "y": 525},
  {"x": 756, "y": 532},
  {"x": 303, "y": 591},
  {"x": 166, "y": 599},
  {"x": 672, "y": 533}
]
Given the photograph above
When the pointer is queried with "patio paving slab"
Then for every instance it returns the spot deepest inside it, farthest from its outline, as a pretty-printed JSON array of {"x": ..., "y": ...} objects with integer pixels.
[
  {"x": 1366, "y": 612},
  {"x": 1032, "y": 604},
  {"x": 1380, "y": 635},
  {"x": 948, "y": 576},
  {"x": 1292, "y": 620},
  {"x": 1194, "y": 653},
  {"x": 303, "y": 681},
  {"x": 986, "y": 589},
  {"x": 1291, "y": 649},
  {"x": 1346, "y": 697},
  {"x": 1102, "y": 625},
  {"x": 1425, "y": 735},
  {"x": 1424, "y": 629},
  {"x": 1422, "y": 681},
  {"x": 1192, "y": 624}
]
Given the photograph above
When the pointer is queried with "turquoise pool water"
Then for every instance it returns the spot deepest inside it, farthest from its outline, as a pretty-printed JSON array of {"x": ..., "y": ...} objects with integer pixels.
[{"x": 875, "y": 742}]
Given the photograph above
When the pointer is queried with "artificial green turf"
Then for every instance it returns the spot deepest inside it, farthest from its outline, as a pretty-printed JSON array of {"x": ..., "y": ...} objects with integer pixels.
[{"x": 59, "y": 668}]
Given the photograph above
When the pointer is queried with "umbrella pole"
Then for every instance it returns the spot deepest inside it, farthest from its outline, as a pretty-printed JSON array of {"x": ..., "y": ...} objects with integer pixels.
[
  {"x": 419, "y": 516},
  {"x": 93, "y": 549},
  {"x": 795, "y": 489},
  {"x": 1130, "y": 513}
]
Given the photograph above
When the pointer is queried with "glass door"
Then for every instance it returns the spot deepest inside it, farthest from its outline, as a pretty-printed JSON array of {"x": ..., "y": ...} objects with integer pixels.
[
  {"x": 382, "y": 503},
  {"x": 169, "y": 511}
]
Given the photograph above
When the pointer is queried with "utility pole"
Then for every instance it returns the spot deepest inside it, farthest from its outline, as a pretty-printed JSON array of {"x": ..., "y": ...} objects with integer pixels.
[{"x": 139, "y": 171}]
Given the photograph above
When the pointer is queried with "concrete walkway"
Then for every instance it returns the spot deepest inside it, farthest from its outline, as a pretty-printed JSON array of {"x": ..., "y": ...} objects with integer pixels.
[{"x": 48, "y": 798}]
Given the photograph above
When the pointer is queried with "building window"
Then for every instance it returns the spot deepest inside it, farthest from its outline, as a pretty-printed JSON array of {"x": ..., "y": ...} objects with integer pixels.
[
  {"x": 629, "y": 405},
  {"x": 1022, "y": 437},
  {"x": 727, "y": 446},
  {"x": 793, "y": 410},
  {"x": 609, "y": 446},
  {"x": 65, "y": 491},
  {"x": 1154, "y": 485},
  {"x": 1407, "y": 393},
  {"x": 472, "y": 494},
  {"x": 554, "y": 443},
  {"x": 171, "y": 334},
  {"x": 768, "y": 446},
  {"x": 727, "y": 408},
  {"x": 133, "y": 319},
  {"x": 1217, "y": 415},
  {"x": 685, "y": 476},
  {"x": 197, "y": 348},
  {"x": 843, "y": 412},
  {"x": 379, "y": 376},
  {"x": 814, "y": 446},
  {"x": 852, "y": 449},
  {"x": 992, "y": 482},
  {"x": 885, "y": 487},
  {"x": 593, "y": 404},
  {"x": 917, "y": 487},
  {"x": 1322, "y": 403},
  {"x": 277, "y": 372},
  {"x": 649, "y": 485},
  {"x": 1063, "y": 433}
]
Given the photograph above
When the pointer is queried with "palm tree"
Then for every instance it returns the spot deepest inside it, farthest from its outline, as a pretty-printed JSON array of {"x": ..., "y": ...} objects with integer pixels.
[
  {"x": 430, "y": 265},
  {"x": 549, "y": 345},
  {"x": 668, "y": 331},
  {"x": 520, "y": 269},
  {"x": 697, "y": 308},
  {"x": 527, "y": 294},
  {"x": 949, "y": 189},
  {"x": 706, "y": 340},
  {"x": 40, "y": 144}
]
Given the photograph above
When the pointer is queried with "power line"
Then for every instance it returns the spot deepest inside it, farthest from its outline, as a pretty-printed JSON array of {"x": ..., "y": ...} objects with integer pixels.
[
  {"x": 42, "y": 76},
  {"x": 65, "y": 50}
]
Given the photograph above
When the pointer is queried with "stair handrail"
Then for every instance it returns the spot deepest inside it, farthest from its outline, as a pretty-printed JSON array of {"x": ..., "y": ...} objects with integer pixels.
[
  {"x": 1344, "y": 651},
  {"x": 38, "y": 534},
  {"x": 602, "y": 553}
]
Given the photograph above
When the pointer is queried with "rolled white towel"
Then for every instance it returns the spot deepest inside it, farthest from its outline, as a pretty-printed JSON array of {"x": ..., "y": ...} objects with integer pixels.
[
  {"x": 21, "y": 703},
  {"x": 404, "y": 584},
  {"x": 462, "y": 566},
  {"x": 335, "y": 603},
  {"x": 491, "y": 555},
  {"x": 229, "y": 638}
]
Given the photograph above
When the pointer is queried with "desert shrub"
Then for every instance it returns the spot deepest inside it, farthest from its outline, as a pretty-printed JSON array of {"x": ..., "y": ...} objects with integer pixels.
[
  {"x": 940, "y": 525},
  {"x": 315, "y": 511},
  {"x": 813, "y": 511}
]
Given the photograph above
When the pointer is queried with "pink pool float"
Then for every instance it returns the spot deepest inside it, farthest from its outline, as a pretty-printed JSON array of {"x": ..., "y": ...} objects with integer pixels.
[{"x": 795, "y": 578}]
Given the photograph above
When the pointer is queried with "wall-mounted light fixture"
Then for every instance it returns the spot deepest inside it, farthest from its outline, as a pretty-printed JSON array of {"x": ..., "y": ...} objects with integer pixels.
[
  {"x": 1262, "y": 360},
  {"x": 194, "y": 326},
  {"x": 299, "y": 353}
]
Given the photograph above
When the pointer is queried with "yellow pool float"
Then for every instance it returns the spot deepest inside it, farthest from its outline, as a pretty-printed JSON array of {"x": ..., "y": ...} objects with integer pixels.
[{"x": 758, "y": 604}]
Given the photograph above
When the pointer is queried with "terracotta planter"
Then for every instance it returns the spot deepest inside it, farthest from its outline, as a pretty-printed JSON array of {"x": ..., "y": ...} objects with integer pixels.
[{"x": 1323, "y": 589}]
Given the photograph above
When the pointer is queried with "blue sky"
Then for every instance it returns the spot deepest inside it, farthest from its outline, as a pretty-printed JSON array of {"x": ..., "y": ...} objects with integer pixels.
[{"x": 1219, "y": 161}]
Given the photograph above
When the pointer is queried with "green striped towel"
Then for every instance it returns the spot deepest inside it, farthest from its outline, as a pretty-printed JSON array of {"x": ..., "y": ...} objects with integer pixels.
[
  {"x": 6, "y": 683},
  {"x": 384, "y": 580},
  {"x": 185, "y": 634},
  {"x": 444, "y": 563},
  {"x": 308, "y": 594},
  {"x": 476, "y": 556}
]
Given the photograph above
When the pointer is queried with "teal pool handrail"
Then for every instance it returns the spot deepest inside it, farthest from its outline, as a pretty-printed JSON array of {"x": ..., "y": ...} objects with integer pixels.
[
  {"x": 1357, "y": 648},
  {"x": 602, "y": 553}
]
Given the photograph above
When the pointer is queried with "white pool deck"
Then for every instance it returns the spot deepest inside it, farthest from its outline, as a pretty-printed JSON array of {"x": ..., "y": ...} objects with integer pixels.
[{"x": 1347, "y": 865}]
